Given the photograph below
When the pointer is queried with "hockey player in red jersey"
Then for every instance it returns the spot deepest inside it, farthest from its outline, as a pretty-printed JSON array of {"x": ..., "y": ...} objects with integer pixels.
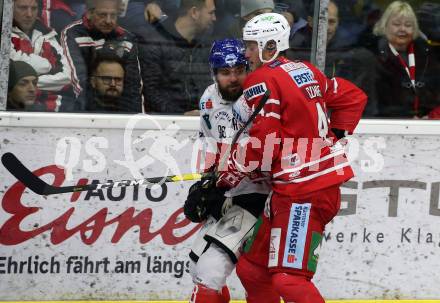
[{"x": 293, "y": 139}]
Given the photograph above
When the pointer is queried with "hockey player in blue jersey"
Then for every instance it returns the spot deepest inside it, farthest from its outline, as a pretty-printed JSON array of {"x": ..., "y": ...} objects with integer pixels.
[{"x": 219, "y": 244}]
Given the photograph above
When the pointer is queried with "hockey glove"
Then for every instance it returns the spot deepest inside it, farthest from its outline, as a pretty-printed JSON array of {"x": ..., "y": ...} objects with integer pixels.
[
  {"x": 203, "y": 199},
  {"x": 339, "y": 133}
]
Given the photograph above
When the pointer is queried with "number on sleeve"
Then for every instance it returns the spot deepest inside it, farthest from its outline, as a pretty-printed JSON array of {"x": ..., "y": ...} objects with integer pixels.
[{"x": 322, "y": 121}]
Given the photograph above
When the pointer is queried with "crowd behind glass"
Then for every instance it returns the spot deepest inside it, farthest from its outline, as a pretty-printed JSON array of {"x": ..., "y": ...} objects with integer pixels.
[{"x": 151, "y": 56}]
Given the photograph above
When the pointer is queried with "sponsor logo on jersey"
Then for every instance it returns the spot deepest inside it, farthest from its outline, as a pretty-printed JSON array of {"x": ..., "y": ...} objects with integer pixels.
[
  {"x": 274, "y": 64},
  {"x": 303, "y": 77},
  {"x": 223, "y": 115},
  {"x": 206, "y": 105},
  {"x": 255, "y": 91},
  {"x": 313, "y": 91},
  {"x": 296, "y": 235},
  {"x": 274, "y": 247},
  {"x": 291, "y": 258},
  {"x": 290, "y": 66}
]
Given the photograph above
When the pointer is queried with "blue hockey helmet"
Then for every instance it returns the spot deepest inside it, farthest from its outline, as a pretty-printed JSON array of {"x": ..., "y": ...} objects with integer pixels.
[{"x": 227, "y": 53}]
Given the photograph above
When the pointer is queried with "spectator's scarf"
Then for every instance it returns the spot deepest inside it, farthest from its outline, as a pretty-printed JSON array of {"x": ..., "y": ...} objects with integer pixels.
[{"x": 410, "y": 69}]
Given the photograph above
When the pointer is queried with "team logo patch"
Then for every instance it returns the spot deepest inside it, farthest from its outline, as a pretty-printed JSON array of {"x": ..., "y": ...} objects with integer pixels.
[
  {"x": 303, "y": 77},
  {"x": 296, "y": 235},
  {"x": 275, "y": 237},
  {"x": 255, "y": 91},
  {"x": 231, "y": 59}
]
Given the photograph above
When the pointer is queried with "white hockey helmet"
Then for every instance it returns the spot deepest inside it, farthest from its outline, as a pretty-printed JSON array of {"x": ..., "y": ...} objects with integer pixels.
[{"x": 268, "y": 27}]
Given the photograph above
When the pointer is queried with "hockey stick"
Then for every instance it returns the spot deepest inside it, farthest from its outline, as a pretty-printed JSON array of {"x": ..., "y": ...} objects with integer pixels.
[{"x": 38, "y": 186}]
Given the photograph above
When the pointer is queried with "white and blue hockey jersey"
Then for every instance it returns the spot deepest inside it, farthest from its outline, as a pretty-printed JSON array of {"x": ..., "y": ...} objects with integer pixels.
[{"x": 219, "y": 122}]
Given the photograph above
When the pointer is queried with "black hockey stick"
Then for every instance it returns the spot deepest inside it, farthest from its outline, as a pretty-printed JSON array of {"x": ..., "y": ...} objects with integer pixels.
[{"x": 38, "y": 186}]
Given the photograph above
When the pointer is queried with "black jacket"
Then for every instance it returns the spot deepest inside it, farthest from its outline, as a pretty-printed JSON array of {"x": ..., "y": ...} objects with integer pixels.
[
  {"x": 175, "y": 73},
  {"x": 395, "y": 93},
  {"x": 355, "y": 64},
  {"x": 81, "y": 43}
]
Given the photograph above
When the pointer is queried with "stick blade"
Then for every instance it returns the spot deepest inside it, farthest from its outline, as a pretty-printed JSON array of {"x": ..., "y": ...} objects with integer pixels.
[{"x": 24, "y": 175}]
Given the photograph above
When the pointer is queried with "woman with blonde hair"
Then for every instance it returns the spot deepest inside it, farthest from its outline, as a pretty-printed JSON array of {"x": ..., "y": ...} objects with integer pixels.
[{"x": 407, "y": 72}]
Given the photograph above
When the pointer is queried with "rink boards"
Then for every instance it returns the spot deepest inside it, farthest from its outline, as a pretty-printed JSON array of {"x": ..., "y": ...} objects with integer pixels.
[{"x": 132, "y": 244}]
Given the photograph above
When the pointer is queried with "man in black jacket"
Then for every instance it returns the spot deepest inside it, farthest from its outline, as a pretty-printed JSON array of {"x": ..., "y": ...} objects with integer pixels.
[
  {"x": 97, "y": 30},
  {"x": 174, "y": 61}
]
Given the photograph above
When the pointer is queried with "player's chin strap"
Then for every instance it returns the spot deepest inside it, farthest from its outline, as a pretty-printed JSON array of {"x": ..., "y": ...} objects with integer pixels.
[{"x": 260, "y": 54}]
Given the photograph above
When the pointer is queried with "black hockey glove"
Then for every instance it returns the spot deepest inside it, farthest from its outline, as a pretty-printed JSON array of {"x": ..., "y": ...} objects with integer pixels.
[
  {"x": 339, "y": 133},
  {"x": 203, "y": 199}
]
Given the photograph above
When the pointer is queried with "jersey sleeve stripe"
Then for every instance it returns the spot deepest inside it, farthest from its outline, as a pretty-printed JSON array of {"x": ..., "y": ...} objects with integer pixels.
[
  {"x": 313, "y": 176},
  {"x": 308, "y": 164},
  {"x": 273, "y": 101},
  {"x": 273, "y": 115}
]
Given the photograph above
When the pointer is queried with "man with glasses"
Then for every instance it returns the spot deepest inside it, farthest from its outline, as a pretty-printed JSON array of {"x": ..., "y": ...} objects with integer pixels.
[
  {"x": 107, "y": 82},
  {"x": 98, "y": 30}
]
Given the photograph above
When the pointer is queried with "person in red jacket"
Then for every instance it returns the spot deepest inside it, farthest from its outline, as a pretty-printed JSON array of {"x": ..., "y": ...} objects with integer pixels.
[{"x": 292, "y": 139}]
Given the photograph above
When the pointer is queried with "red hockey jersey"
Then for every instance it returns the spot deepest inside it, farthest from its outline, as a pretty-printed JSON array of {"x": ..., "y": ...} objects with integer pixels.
[{"x": 291, "y": 136}]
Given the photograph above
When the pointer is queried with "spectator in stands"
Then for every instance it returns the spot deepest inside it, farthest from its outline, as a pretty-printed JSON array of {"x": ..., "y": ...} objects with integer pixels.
[
  {"x": 297, "y": 12},
  {"x": 152, "y": 16},
  {"x": 37, "y": 45},
  {"x": 98, "y": 29},
  {"x": 303, "y": 36},
  {"x": 174, "y": 61},
  {"x": 352, "y": 63},
  {"x": 22, "y": 88},
  {"x": 428, "y": 15},
  {"x": 57, "y": 14},
  {"x": 407, "y": 72},
  {"x": 249, "y": 9},
  {"x": 107, "y": 82},
  {"x": 138, "y": 12}
]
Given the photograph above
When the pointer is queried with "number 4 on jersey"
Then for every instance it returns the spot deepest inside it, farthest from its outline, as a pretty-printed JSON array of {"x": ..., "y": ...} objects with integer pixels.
[{"x": 322, "y": 121}]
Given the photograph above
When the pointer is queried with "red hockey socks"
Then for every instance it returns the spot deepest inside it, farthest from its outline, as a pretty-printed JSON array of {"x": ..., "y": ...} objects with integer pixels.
[
  {"x": 203, "y": 294},
  {"x": 296, "y": 289}
]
